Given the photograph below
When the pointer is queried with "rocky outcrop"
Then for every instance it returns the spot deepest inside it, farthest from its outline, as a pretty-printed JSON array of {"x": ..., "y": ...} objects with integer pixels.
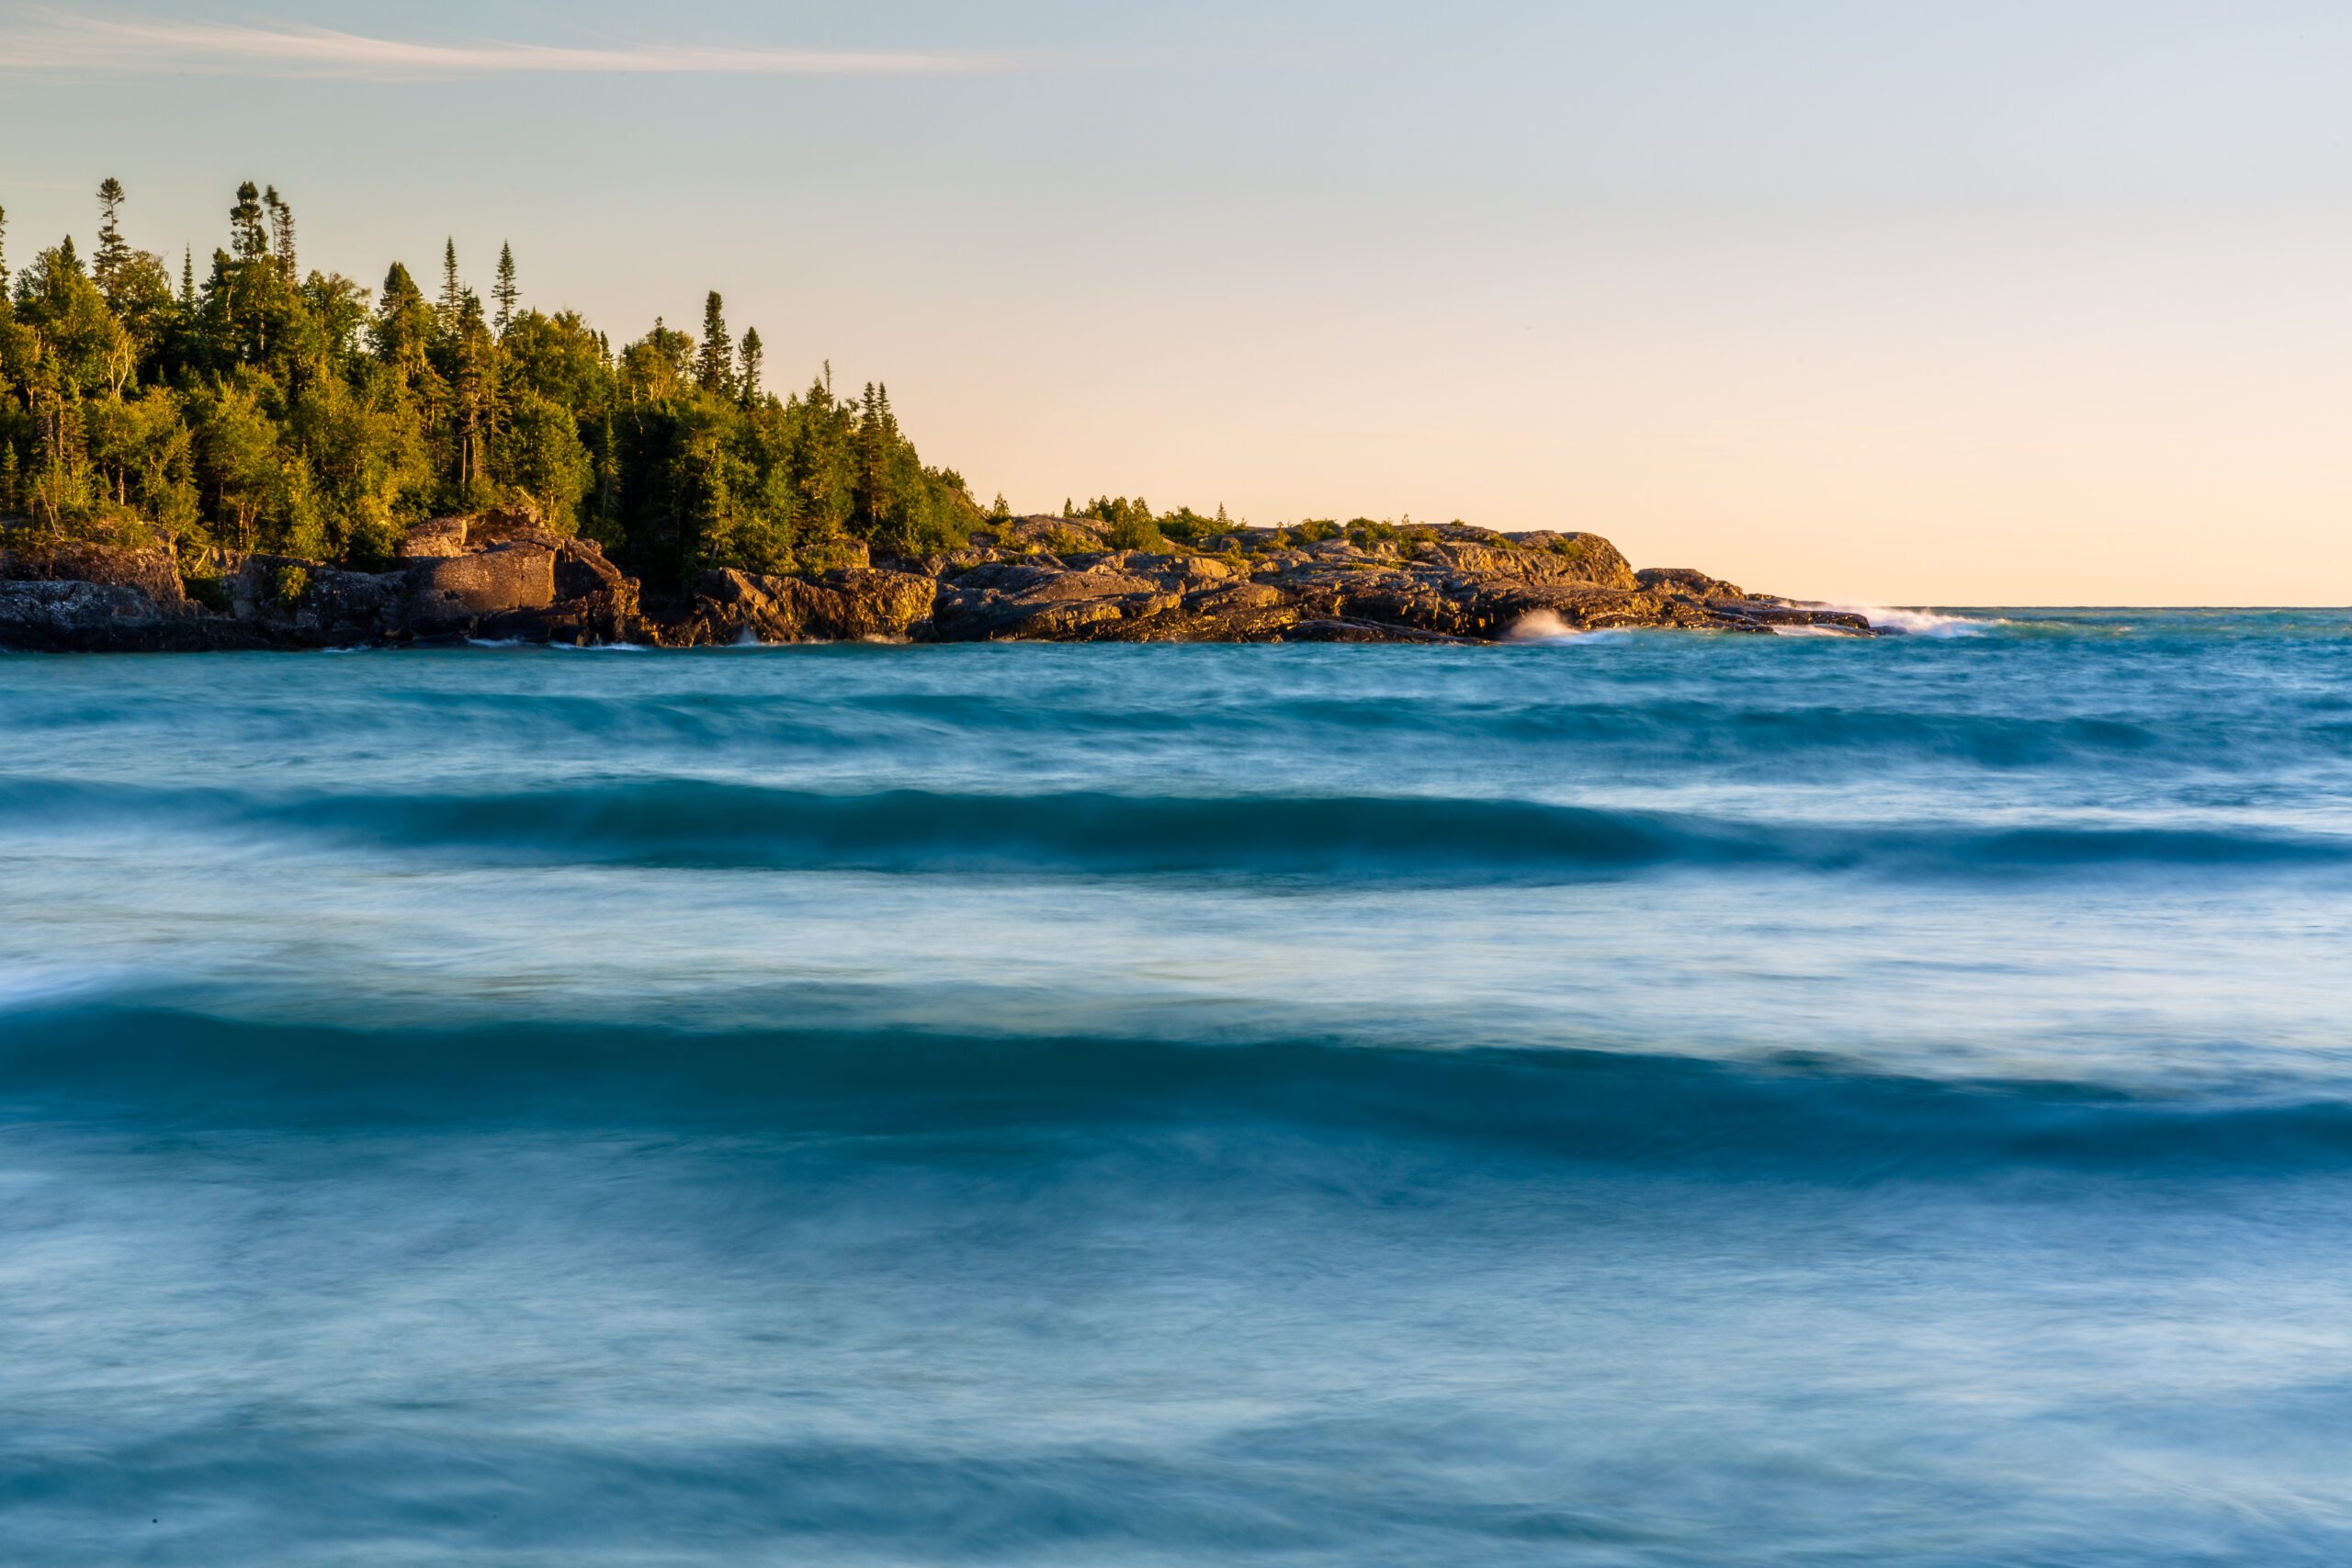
[
  {"x": 500, "y": 577},
  {"x": 503, "y": 576},
  {"x": 851, "y": 604},
  {"x": 81, "y": 598},
  {"x": 69, "y": 615},
  {"x": 1683, "y": 579}
]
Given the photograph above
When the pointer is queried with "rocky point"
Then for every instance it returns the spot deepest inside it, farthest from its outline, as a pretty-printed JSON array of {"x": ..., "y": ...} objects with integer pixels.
[{"x": 505, "y": 576}]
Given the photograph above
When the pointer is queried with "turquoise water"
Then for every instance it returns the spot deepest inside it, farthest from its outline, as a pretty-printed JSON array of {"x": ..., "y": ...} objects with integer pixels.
[{"x": 1641, "y": 1099}]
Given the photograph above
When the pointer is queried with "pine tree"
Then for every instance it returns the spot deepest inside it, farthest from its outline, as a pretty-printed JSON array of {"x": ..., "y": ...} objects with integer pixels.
[
  {"x": 245, "y": 218},
  {"x": 747, "y": 375},
  {"x": 452, "y": 305},
  {"x": 281, "y": 228},
  {"x": 4, "y": 258},
  {"x": 505, "y": 293},
  {"x": 112, "y": 252},
  {"x": 715, "y": 368},
  {"x": 187, "y": 278},
  {"x": 871, "y": 496}
]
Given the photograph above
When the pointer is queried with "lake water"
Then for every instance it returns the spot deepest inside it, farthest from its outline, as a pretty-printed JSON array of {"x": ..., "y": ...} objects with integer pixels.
[{"x": 1635, "y": 1099}]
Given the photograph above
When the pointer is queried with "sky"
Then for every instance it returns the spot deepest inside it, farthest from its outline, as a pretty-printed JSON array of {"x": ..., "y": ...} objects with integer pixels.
[{"x": 1885, "y": 301}]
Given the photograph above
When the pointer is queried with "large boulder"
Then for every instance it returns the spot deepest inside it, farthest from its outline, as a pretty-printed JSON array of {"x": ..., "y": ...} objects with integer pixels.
[
  {"x": 69, "y": 597},
  {"x": 302, "y": 603},
  {"x": 1546, "y": 556},
  {"x": 154, "y": 574},
  {"x": 72, "y": 616},
  {"x": 1686, "y": 580},
  {"x": 515, "y": 580},
  {"x": 849, "y": 604},
  {"x": 455, "y": 595},
  {"x": 444, "y": 536},
  {"x": 1008, "y": 601}
]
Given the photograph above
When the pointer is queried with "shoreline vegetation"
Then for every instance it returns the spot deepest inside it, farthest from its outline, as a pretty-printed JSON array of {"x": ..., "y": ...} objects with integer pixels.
[{"x": 261, "y": 456}]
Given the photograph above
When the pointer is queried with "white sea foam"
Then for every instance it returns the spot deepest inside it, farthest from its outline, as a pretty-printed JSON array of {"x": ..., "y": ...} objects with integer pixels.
[
  {"x": 1543, "y": 626},
  {"x": 1917, "y": 623}
]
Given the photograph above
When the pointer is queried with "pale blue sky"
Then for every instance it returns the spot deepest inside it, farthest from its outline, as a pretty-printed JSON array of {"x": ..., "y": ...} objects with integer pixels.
[{"x": 1921, "y": 301}]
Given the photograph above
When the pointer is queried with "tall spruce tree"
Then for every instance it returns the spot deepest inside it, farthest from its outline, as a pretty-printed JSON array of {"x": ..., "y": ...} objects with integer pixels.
[
  {"x": 452, "y": 304},
  {"x": 113, "y": 253},
  {"x": 245, "y": 221},
  {"x": 505, "y": 293},
  {"x": 4, "y": 259},
  {"x": 748, "y": 367},
  {"x": 715, "y": 366},
  {"x": 281, "y": 229},
  {"x": 300, "y": 421}
]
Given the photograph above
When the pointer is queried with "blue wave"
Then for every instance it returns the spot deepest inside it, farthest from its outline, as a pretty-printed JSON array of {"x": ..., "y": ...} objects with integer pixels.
[
  {"x": 686, "y": 823},
  {"x": 1817, "y": 1119}
]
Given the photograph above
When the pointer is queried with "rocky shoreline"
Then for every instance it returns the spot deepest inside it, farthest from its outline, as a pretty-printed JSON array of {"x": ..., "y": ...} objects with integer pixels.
[{"x": 501, "y": 576}]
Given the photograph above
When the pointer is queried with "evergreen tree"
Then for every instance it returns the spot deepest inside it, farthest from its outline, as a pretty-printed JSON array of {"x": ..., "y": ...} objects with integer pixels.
[
  {"x": 263, "y": 413},
  {"x": 113, "y": 254},
  {"x": 251, "y": 240},
  {"x": 281, "y": 229},
  {"x": 877, "y": 494},
  {"x": 4, "y": 259},
  {"x": 715, "y": 368},
  {"x": 747, "y": 374},
  {"x": 452, "y": 305},
  {"x": 505, "y": 293}
]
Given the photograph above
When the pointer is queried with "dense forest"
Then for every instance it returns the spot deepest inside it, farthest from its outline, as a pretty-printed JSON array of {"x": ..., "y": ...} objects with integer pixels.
[{"x": 252, "y": 405}]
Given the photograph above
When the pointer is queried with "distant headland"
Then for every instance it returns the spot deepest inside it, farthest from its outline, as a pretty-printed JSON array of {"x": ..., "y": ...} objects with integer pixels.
[{"x": 259, "y": 456}]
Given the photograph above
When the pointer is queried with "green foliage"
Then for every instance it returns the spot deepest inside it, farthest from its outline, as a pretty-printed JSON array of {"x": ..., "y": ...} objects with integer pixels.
[
  {"x": 208, "y": 589},
  {"x": 1128, "y": 524},
  {"x": 289, "y": 583},
  {"x": 259, "y": 408},
  {"x": 1189, "y": 527}
]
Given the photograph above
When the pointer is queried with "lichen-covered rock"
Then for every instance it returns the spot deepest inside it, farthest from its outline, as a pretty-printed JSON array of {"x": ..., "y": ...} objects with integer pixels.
[
  {"x": 445, "y": 537},
  {"x": 288, "y": 601},
  {"x": 457, "y": 595},
  {"x": 1684, "y": 580},
  {"x": 503, "y": 575},
  {"x": 152, "y": 572},
  {"x": 1012, "y": 599},
  {"x": 848, "y": 604},
  {"x": 73, "y": 615}
]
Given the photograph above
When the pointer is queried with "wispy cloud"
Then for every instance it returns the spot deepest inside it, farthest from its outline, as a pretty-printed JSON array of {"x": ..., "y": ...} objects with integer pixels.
[{"x": 47, "y": 41}]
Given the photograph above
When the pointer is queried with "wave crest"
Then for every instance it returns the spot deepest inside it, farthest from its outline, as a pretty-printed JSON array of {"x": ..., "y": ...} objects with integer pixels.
[{"x": 677, "y": 822}]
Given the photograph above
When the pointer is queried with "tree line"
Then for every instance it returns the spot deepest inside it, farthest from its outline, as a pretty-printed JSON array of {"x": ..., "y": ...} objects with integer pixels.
[{"x": 253, "y": 405}]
